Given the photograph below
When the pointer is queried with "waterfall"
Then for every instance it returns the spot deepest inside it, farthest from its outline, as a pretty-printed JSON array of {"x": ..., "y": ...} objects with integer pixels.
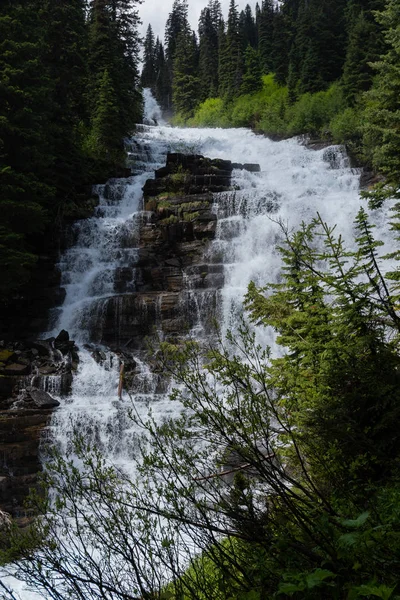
[{"x": 294, "y": 183}]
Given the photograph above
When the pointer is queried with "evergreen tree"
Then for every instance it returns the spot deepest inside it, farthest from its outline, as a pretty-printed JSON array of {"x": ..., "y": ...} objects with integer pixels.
[
  {"x": 65, "y": 62},
  {"x": 265, "y": 35},
  {"x": 148, "y": 76},
  {"x": 252, "y": 81},
  {"x": 113, "y": 48},
  {"x": 382, "y": 127},
  {"x": 231, "y": 58},
  {"x": 162, "y": 87},
  {"x": 281, "y": 46},
  {"x": 208, "y": 53},
  {"x": 248, "y": 28},
  {"x": 185, "y": 74},
  {"x": 176, "y": 23},
  {"x": 26, "y": 153},
  {"x": 318, "y": 51},
  {"x": 365, "y": 44},
  {"x": 105, "y": 121}
]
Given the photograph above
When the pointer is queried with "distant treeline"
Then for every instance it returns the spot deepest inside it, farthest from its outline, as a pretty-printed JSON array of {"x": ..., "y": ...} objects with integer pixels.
[
  {"x": 68, "y": 95},
  {"x": 330, "y": 68}
]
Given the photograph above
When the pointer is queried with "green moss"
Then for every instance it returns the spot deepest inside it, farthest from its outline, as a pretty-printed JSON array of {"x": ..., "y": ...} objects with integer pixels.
[
  {"x": 164, "y": 204},
  {"x": 192, "y": 205},
  {"x": 191, "y": 216},
  {"x": 170, "y": 220},
  {"x": 5, "y": 355}
]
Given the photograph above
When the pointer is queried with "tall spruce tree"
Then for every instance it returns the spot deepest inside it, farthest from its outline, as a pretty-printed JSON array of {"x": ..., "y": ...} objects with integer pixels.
[
  {"x": 248, "y": 28},
  {"x": 365, "y": 45},
  {"x": 231, "y": 57},
  {"x": 114, "y": 48},
  {"x": 176, "y": 23},
  {"x": 148, "y": 76},
  {"x": 26, "y": 153},
  {"x": 162, "y": 86},
  {"x": 318, "y": 53},
  {"x": 185, "y": 74},
  {"x": 208, "y": 52},
  {"x": 252, "y": 81},
  {"x": 265, "y": 26},
  {"x": 65, "y": 62},
  {"x": 382, "y": 127}
]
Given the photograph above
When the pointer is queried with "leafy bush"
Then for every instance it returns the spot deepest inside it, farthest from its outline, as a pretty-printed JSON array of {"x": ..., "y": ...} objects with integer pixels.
[
  {"x": 211, "y": 113},
  {"x": 312, "y": 113}
]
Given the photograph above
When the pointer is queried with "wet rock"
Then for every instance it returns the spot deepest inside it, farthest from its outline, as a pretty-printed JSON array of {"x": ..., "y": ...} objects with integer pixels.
[
  {"x": 42, "y": 399},
  {"x": 43, "y": 347},
  {"x": 47, "y": 370},
  {"x": 16, "y": 369},
  {"x": 62, "y": 337}
]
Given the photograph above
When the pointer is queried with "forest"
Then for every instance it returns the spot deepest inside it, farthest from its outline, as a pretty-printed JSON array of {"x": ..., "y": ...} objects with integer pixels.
[
  {"x": 281, "y": 477},
  {"x": 69, "y": 75},
  {"x": 329, "y": 69}
]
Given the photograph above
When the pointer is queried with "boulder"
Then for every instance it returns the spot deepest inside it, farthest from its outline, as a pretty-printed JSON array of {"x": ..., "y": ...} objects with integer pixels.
[
  {"x": 42, "y": 399},
  {"x": 16, "y": 369}
]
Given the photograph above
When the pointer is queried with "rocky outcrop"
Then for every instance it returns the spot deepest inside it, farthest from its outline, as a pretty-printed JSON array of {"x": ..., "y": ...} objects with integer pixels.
[
  {"x": 177, "y": 225},
  {"x": 29, "y": 373}
]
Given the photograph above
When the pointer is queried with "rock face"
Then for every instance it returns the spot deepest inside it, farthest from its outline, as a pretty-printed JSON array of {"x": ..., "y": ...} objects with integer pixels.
[
  {"x": 177, "y": 225},
  {"x": 29, "y": 373}
]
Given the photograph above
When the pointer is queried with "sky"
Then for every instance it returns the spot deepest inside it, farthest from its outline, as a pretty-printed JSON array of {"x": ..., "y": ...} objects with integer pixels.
[{"x": 156, "y": 13}]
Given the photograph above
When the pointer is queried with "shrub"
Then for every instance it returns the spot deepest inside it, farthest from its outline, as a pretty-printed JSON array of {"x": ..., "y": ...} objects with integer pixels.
[{"x": 211, "y": 113}]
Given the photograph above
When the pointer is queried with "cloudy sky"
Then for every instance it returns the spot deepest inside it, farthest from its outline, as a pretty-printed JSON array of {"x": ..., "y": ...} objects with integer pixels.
[{"x": 156, "y": 12}]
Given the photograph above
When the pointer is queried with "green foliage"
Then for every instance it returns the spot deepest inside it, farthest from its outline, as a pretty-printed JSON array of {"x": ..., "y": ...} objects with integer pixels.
[
  {"x": 381, "y": 137},
  {"x": 186, "y": 83},
  {"x": 346, "y": 127},
  {"x": 67, "y": 99},
  {"x": 210, "y": 113},
  {"x": 312, "y": 113},
  {"x": 252, "y": 81}
]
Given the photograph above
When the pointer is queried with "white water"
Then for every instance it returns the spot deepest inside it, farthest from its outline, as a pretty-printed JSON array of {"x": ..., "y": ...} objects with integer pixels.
[{"x": 293, "y": 185}]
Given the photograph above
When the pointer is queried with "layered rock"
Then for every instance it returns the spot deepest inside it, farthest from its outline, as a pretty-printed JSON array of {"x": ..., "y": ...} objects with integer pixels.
[
  {"x": 177, "y": 225},
  {"x": 29, "y": 373}
]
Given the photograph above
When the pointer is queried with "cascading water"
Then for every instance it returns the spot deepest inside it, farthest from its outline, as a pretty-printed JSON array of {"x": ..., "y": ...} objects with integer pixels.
[{"x": 294, "y": 183}]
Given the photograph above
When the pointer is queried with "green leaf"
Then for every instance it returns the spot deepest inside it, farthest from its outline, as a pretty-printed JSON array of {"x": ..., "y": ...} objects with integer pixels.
[
  {"x": 291, "y": 588},
  {"x": 382, "y": 591},
  {"x": 355, "y": 523},
  {"x": 317, "y": 577}
]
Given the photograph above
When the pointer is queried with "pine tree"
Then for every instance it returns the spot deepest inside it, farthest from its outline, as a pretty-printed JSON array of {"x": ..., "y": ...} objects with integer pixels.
[
  {"x": 185, "y": 79},
  {"x": 148, "y": 76},
  {"x": 26, "y": 153},
  {"x": 230, "y": 57},
  {"x": 252, "y": 81},
  {"x": 114, "y": 48},
  {"x": 319, "y": 49},
  {"x": 65, "y": 62},
  {"x": 248, "y": 28},
  {"x": 176, "y": 23},
  {"x": 265, "y": 35},
  {"x": 105, "y": 121},
  {"x": 208, "y": 53},
  {"x": 281, "y": 41},
  {"x": 365, "y": 45},
  {"x": 162, "y": 86},
  {"x": 382, "y": 127}
]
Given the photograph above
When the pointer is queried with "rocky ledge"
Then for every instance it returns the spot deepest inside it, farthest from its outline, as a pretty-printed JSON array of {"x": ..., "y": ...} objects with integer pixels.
[
  {"x": 29, "y": 373},
  {"x": 177, "y": 224}
]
